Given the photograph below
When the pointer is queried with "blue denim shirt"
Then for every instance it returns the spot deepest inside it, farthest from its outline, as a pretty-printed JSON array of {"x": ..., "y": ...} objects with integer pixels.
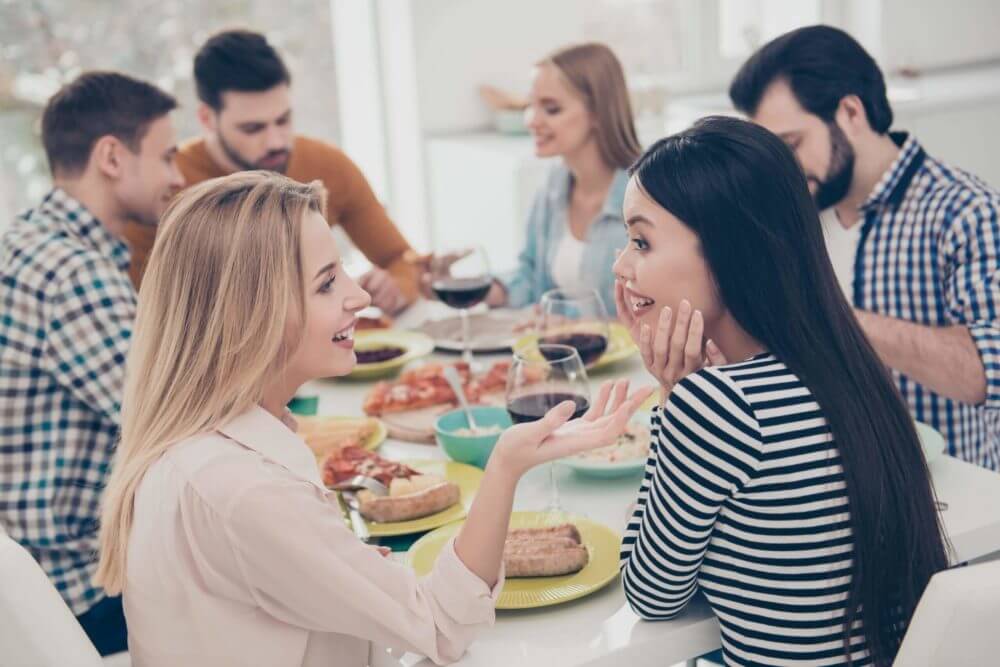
[{"x": 547, "y": 222}]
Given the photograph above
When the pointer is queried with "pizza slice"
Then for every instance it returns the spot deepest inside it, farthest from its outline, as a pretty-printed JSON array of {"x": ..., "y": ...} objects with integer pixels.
[{"x": 411, "y": 495}]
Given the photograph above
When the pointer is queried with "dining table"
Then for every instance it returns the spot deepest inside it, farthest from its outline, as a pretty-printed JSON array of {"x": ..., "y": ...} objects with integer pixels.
[{"x": 601, "y": 629}]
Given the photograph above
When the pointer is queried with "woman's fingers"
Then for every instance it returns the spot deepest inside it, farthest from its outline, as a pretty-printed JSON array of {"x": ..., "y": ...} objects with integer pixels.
[
  {"x": 646, "y": 348},
  {"x": 714, "y": 354},
  {"x": 538, "y": 431},
  {"x": 599, "y": 405},
  {"x": 579, "y": 437},
  {"x": 618, "y": 397},
  {"x": 675, "y": 361},
  {"x": 693, "y": 356},
  {"x": 661, "y": 341}
]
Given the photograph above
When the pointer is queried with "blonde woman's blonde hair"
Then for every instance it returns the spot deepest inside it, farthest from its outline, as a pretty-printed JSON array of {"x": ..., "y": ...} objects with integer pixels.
[
  {"x": 594, "y": 72},
  {"x": 224, "y": 283}
]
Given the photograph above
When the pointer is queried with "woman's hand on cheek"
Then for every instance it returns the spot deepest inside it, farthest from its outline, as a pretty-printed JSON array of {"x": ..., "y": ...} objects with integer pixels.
[{"x": 670, "y": 354}]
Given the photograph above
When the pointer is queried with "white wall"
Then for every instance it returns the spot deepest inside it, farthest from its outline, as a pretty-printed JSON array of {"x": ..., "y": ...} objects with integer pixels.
[
  {"x": 460, "y": 44},
  {"x": 435, "y": 53},
  {"x": 939, "y": 33}
]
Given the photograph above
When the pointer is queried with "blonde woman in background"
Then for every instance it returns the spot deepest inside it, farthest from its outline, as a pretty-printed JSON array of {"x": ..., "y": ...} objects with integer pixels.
[
  {"x": 579, "y": 111},
  {"x": 216, "y": 527}
]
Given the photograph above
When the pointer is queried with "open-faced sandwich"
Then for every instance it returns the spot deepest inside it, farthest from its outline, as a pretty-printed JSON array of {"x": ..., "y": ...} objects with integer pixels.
[
  {"x": 549, "y": 551},
  {"x": 425, "y": 387},
  {"x": 412, "y": 495},
  {"x": 326, "y": 435}
]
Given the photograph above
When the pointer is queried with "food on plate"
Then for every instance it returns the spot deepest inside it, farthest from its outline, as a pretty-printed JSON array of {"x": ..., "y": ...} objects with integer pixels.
[
  {"x": 374, "y": 355},
  {"x": 479, "y": 431},
  {"x": 631, "y": 445},
  {"x": 347, "y": 462},
  {"x": 412, "y": 495},
  {"x": 549, "y": 551},
  {"x": 381, "y": 322},
  {"x": 326, "y": 435},
  {"x": 425, "y": 386},
  {"x": 408, "y": 499}
]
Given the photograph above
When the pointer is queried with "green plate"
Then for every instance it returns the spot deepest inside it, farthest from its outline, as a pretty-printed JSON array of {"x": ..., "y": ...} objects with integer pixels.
[
  {"x": 527, "y": 593},
  {"x": 620, "y": 346},
  {"x": 415, "y": 343},
  {"x": 467, "y": 477}
]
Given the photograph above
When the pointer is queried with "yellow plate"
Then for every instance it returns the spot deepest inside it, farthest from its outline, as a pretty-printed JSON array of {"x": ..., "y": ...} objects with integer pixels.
[
  {"x": 526, "y": 593},
  {"x": 371, "y": 443},
  {"x": 620, "y": 346},
  {"x": 467, "y": 477},
  {"x": 415, "y": 343}
]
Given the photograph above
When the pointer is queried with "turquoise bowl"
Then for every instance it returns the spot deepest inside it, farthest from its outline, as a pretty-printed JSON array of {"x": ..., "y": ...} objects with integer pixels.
[{"x": 474, "y": 450}]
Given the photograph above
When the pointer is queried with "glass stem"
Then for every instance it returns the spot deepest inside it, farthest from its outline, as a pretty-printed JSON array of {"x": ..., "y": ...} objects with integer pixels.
[
  {"x": 466, "y": 337},
  {"x": 553, "y": 489}
]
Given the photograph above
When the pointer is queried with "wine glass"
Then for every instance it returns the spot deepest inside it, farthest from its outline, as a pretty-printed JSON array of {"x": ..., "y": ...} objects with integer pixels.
[
  {"x": 578, "y": 318},
  {"x": 462, "y": 280},
  {"x": 540, "y": 378}
]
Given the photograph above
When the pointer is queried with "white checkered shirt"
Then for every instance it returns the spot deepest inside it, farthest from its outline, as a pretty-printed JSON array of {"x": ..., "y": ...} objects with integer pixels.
[
  {"x": 66, "y": 313},
  {"x": 929, "y": 254}
]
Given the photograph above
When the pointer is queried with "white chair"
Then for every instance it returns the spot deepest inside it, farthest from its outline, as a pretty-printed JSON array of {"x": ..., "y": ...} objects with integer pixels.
[
  {"x": 37, "y": 629},
  {"x": 955, "y": 623}
]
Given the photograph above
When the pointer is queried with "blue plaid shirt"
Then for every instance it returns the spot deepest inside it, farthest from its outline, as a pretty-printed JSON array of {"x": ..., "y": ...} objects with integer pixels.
[
  {"x": 929, "y": 253},
  {"x": 66, "y": 314}
]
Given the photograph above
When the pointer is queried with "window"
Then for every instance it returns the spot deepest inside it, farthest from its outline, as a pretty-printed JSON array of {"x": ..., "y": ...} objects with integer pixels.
[
  {"x": 43, "y": 44},
  {"x": 745, "y": 25}
]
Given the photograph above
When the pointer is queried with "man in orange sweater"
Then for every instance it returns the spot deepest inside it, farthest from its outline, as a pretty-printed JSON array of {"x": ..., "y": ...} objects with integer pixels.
[{"x": 246, "y": 114}]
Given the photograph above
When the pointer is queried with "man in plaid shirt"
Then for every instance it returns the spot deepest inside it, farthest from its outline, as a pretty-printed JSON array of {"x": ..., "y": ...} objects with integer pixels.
[
  {"x": 66, "y": 313},
  {"x": 914, "y": 242}
]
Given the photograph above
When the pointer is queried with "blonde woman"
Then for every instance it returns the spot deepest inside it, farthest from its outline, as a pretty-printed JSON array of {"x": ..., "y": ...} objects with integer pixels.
[
  {"x": 579, "y": 111},
  {"x": 216, "y": 527}
]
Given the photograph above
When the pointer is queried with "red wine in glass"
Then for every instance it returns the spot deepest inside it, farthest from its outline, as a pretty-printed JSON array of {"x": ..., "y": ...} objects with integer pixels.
[
  {"x": 462, "y": 292},
  {"x": 590, "y": 346},
  {"x": 577, "y": 318},
  {"x": 540, "y": 378},
  {"x": 461, "y": 280},
  {"x": 532, "y": 407}
]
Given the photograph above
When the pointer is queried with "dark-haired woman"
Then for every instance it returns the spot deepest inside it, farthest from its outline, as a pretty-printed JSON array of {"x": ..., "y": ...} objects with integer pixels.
[{"x": 788, "y": 486}]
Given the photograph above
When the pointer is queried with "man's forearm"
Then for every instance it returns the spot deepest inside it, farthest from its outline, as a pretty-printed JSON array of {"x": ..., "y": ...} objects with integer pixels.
[{"x": 943, "y": 359}]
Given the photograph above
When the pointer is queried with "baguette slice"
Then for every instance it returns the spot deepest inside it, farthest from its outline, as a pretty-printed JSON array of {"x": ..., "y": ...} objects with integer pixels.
[{"x": 390, "y": 509}]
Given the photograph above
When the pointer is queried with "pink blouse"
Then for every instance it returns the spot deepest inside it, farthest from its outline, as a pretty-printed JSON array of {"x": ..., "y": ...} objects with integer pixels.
[{"x": 239, "y": 556}]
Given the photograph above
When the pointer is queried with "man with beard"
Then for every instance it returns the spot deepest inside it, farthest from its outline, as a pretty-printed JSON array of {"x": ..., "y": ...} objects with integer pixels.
[
  {"x": 914, "y": 242},
  {"x": 67, "y": 308},
  {"x": 246, "y": 115}
]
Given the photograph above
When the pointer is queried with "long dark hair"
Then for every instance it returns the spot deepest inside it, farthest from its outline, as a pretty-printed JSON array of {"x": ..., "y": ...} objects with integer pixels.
[{"x": 739, "y": 188}]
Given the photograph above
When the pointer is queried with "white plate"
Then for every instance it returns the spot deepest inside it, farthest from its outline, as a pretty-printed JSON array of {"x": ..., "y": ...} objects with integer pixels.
[{"x": 932, "y": 442}]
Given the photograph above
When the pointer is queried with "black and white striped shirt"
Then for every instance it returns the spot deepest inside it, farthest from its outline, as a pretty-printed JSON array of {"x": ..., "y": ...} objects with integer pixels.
[{"x": 744, "y": 498}]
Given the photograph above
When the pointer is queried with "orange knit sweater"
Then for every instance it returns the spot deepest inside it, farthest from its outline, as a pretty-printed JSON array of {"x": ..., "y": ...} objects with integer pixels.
[{"x": 350, "y": 204}]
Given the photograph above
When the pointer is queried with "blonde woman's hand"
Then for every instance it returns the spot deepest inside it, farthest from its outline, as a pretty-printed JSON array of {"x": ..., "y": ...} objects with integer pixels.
[{"x": 555, "y": 436}]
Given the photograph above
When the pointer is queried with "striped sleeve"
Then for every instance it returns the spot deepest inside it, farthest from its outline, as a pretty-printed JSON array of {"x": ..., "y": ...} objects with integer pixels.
[
  {"x": 707, "y": 445},
  {"x": 973, "y": 291}
]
